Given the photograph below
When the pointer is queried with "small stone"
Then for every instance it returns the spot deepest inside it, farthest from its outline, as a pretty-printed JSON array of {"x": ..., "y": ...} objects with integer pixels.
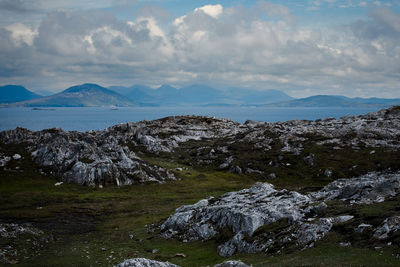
[
  {"x": 179, "y": 169},
  {"x": 372, "y": 152},
  {"x": 362, "y": 227},
  {"x": 345, "y": 244},
  {"x": 58, "y": 184},
  {"x": 328, "y": 173},
  {"x": 154, "y": 251},
  {"x": 180, "y": 255},
  {"x": 272, "y": 175},
  {"x": 16, "y": 156}
]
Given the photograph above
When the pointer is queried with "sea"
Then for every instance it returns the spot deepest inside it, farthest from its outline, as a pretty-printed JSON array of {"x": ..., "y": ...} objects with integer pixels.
[{"x": 97, "y": 118}]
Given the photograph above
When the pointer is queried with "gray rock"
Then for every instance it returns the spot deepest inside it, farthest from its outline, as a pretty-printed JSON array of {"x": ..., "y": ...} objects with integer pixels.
[
  {"x": 4, "y": 160},
  {"x": 235, "y": 169},
  {"x": 247, "y": 210},
  {"x": 370, "y": 188},
  {"x": 13, "y": 230},
  {"x": 227, "y": 162},
  {"x": 315, "y": 209},
  {"x": 328, "y": 173},
  {"x": 16, "y": 156},
  {"x": 243, "y": 211},
  {"x": 232, "y": 263},
  {"x": 309, "y": 160},
  {"x": 345, "y": 244},
  {"x": 143, "y": 262},
  {"x": 389, "y": 225},
  {"x": 92, "y": 158},
  {"x": 362, "y": 227}
]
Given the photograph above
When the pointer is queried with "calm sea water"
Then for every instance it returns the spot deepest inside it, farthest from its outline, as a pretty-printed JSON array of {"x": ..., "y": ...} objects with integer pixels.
[{"x": 83, "y": 119}]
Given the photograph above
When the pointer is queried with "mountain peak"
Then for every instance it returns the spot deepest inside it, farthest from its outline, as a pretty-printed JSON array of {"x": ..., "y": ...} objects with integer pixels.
[
  {"x": 166, "y": 87},
  {"x": 86, "y": 87},
  {"x": 15, "y": 93}
]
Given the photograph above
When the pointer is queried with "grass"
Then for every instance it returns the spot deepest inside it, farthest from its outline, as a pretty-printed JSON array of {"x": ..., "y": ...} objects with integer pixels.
[{"x": 102, "y": 227}]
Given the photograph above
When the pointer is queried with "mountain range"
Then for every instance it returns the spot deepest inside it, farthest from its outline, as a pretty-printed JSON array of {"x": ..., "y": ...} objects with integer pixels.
[
  {"x": 90, "y": 95},
  {"x": 16, "y": 93},
  {"x": 337, "y": 101},
  {"x": 85, "y": 95}
]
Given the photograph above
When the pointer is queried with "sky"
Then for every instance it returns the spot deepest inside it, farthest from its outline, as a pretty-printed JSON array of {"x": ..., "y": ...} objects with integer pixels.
[{"x": 309, "y": 47}]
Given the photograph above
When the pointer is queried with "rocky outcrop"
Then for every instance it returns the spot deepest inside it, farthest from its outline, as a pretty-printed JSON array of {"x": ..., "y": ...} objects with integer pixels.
[
  {"x": 13, "y": 230},
  {"x": 143, "y": 262},
  {"x": 4, "y": 160},
  {"x": 165, "y": 134},
  {"x": 262, "y": 218},
  {"x": 242, "y": 212},
  {"x": 232, "y": 264},
  {"x": 93, "y": 158},
  {"x": 370, "y": 188},
  {"x": 109, "y": 156},
  {"x": 389, "y": 226}
]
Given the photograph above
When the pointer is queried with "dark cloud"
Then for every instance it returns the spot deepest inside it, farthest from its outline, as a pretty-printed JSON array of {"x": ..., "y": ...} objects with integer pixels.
[{"x": 18, "y": 6}]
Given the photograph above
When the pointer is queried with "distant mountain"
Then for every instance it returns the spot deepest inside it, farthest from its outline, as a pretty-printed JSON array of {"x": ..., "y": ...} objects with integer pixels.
[
  {"x": 136, "y": 93},
  {"x": 85, "y": 95},
  {"x": 43, "y": 92},
  {"x": 337, "y": 101},
  {"x": 16, "y": 93},
  {"x": 201, "y": 95},
  {"x": 256, "y": 97}
]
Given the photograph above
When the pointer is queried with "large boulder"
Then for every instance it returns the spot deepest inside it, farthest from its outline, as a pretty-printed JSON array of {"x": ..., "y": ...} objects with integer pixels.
[{"x": 262, "y": 218}]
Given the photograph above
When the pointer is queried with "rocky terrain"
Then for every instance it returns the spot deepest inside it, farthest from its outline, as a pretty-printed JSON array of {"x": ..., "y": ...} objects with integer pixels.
[
  {"x": 248, "y": 213},
  {"x": 143, "y": 262},
  {"x": 105, "y": 157},
  {"x": 92, "y": 158},
  {"x": 305, "y": 181}
]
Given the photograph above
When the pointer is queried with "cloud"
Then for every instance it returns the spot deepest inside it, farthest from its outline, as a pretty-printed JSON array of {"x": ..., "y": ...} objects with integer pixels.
[
  {"x": 211, "y": 10},
  {"x": 18, "y": 6},
  {"x": 259, "y": 46},
  {"x": 21, "y": 33}
]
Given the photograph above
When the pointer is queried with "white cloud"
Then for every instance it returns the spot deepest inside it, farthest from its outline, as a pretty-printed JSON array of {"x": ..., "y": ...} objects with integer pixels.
[
  {"x": 211, "y": 10},
  {"x": 21, "y": 33}
]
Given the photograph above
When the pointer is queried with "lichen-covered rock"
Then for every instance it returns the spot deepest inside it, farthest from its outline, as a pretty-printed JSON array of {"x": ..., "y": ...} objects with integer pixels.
[
  {"x": 91, "y": 158},
  {"x": 389, "y": 225},
  {"x": 4, "y": 160},
  {"x": 370, "y": 188},
  {"x": 232, "y": 264},
  {"x": 242, "y": 212},
  {"x": 247, "y": 212},
  {"x": 13, "y": 230},
  {"x": 143, "y": 262}
]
